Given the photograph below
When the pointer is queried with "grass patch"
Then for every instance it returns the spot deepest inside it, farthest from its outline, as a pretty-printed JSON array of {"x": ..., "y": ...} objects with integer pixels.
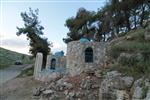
[
  {"x": 129, "y": 46},
  {"x": 144, "y": 91},
  {"x": 137, "y": 35},
  {"x": 140, "y": 69},
  {"x": 136, "y": 43},
  {"x": 27, "y": 72}
]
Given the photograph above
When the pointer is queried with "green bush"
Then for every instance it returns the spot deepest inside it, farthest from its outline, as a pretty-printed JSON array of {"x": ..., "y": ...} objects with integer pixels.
[
  {"x": 27, "y": 72},
  {"x": 127, "y": 61},
  {"x": 137, "y": 35}
]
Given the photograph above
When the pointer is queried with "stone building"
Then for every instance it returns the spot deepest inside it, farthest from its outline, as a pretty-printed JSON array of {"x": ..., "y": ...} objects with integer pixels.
[
  {"x": 84, "y": 55},
  {"x": 55, "y": 65},
  {"x": 81, "y": 55},
  {"x": 54, "y": 61}
]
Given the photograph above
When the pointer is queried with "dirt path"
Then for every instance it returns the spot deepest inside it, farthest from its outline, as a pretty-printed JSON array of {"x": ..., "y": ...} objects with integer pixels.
[
  {"x": 11, "y": 72},
  {"x": 19, "y": 88}
]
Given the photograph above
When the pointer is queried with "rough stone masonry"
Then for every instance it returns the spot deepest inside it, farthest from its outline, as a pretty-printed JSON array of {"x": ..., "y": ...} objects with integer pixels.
[
  {"x": 80, "y": 56},
  {"x": 76, "y": 56}
]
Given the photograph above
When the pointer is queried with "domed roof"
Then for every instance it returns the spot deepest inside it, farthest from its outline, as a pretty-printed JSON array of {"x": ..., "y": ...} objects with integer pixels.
[
  {"x": 59, "y": 54},
  {"x": 84, "y": 40}
]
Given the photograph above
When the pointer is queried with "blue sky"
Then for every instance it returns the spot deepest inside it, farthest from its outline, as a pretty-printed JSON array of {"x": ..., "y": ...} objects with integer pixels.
[{"x": 52, "y": 15}]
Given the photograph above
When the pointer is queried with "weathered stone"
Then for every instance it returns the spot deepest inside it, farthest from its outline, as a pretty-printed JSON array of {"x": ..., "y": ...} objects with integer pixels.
[
  {"x": 54, "y": 97},
  {"x": 113, "y": 83},
  {"x": 71, "y": 96},
  {"x": 113, "y": 74},
  {"x": 148, "y": 95},
  {"x": 60, "y": 61},
  {"x": 88, "y": 84},
  {"x": 129, "y": 37},
  {"x": 89, "y": 71},
  {"x": 128, "y": 81},
  {"x": 95, "y": 86},
  {"x": 38, "y": 64},
  {"x": 76, "y": 56},
  {"x": 48, "y": 62},
  {"x": 61, "y": 84},
  {"x": 91, "y": 97},
  {"x": 98, "y": 73},
  {"x": 74, "y": 95},
  {"x": 36, "y": 92},
  {"x": 48, "y": 92},
  {"x": 46, "y": 77},
  {"x": 49, "y": 97},
  {"x": 122, "y": 95},
  {"x": 137, "y": 93},
  {"x": 138, "y": 89}
]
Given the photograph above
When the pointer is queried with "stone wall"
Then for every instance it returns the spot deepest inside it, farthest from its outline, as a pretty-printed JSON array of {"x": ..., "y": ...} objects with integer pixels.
[
  {"x": 60, "y": 61},
  {"x": 76, "y": 56}
]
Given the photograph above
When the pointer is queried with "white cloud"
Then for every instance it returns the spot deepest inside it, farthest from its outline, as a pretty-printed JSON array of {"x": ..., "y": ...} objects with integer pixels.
[
  {"x": 24, "y": 50},
  {"x": 15, "y": 44}
]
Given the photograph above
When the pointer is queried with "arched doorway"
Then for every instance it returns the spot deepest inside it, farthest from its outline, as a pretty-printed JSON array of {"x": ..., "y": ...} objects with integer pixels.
[
  {"x": 53, "y": 63},
  {"x": 89, "y": 55}
]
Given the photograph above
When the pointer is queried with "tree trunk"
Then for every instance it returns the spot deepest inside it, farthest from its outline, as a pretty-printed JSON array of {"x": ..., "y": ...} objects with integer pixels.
[
  {"x": 143, "y": 14},
  {"x": 127, "y": 20},
  {"x": 135, "y": 21}
]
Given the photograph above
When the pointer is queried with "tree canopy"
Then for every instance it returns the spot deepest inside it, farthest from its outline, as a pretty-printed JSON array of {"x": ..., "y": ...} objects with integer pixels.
[
  {"x": 114, "y": 18},
  {"x": 34, "y": 31}
]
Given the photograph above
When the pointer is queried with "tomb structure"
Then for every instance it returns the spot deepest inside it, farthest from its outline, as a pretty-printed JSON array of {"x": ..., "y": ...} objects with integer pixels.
[{"x": 81, "y": 55}]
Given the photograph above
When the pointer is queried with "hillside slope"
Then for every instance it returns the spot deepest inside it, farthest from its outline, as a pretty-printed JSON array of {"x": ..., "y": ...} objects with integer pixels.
[
  {"x": 131, "y": 52},
  {"x": 8, "y": 57}
]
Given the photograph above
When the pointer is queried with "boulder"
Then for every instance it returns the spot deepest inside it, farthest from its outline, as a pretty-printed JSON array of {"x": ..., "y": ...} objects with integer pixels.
[
  {"x": 148, "y": 95},
  {"x": 48, "y": 92},
  {"x": 36, "y": 91},
  {"x": 137, "y": 93},
  {"x": 88, "y": 83},
  {"x": 98, "y": 73},
  {"x": 75, "y": 95},
  {"x": 113, "y": 74},
  {"x": 122, "y": 95},
  {"x": 129, "y": 37},
  {"x": 113, "y": 84},
  {"x": 128, "y": 81},
  {"x": 140, "y": 88},
  {"x": 61, "y": 84}
]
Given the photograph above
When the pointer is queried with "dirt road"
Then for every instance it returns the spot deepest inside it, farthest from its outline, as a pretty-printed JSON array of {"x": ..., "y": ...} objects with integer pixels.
[
  {"x": 19, "y": 88},
  {"x": 11, "y": 72}
]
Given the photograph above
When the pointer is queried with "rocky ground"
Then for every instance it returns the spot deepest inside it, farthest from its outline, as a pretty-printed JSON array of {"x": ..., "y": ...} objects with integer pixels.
[
  {"x": 95, "y": 86},
  {"x": 18, "y": 89},
  {"x": 90, "y": 85}
]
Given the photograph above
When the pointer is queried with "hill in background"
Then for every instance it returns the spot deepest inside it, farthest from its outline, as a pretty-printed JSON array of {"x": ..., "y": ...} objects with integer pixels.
[{"x": 8, "y": 58}]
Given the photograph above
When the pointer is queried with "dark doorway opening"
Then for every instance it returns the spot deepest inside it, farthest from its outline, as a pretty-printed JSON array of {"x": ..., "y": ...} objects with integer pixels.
[
  {"x": 53, "y": 63},
  {"x": 89, "y": 55}
]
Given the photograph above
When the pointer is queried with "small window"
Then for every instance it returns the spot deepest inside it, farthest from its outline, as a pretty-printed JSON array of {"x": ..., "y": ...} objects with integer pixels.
[
  {"x": 53, "y": 63},
  {"x": 89, "y": 55}
]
